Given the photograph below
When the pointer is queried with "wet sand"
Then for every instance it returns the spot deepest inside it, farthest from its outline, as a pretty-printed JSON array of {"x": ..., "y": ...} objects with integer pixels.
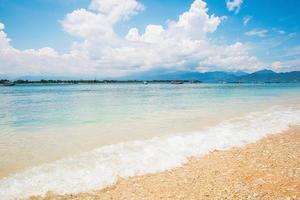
[{"x": 268, "y": 169}]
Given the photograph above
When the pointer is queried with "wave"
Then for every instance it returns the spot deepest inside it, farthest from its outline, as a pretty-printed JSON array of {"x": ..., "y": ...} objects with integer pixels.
[{"x": 103, "y": 166}]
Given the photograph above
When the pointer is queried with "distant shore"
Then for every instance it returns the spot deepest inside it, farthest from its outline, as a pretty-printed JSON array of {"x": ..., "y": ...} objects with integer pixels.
[
  {"x": 268, "y": 169},
  {"x": 6, "y": 82}
]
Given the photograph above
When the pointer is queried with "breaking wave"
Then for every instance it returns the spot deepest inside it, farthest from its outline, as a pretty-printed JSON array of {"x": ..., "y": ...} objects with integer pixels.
[{"x": 103, "y": 166}]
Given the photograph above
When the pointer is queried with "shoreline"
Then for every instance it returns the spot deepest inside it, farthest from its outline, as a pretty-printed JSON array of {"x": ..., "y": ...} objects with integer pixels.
[
  {"x": 266, "y": 169},
  {"x": 104, "y": 166}
]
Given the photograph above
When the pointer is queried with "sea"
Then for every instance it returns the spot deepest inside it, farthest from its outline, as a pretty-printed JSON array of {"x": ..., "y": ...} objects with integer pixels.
[{"x": 81, "y": 137}]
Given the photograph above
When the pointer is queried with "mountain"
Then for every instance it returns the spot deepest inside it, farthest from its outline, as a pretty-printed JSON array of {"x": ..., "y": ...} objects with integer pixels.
[
  {"x": 268, "y": 76},
  {"x": 239, "y": 73},
  {"x": 208, "y": 77},
  {"x": 265, "y": 71},
  {"x": 262, "y": 76}
]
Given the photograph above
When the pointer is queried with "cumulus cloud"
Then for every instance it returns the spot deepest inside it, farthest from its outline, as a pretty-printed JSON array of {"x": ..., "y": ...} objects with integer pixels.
[
  {"x": 4, "y": 41},
  {"x": 115, "y": 10},
  {"x": 35, "y": 61},
  {"x": 97, "y": 22},
  {"x": 182, "y": 44},
  {"x": 234, "y": 5},
  {"x": 179, "y": 44},
  {"x": 184, "y": 36},
  {"x": 257, "y": 32}
]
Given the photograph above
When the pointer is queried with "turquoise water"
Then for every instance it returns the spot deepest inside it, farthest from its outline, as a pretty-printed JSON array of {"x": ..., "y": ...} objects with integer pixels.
[
  {"x": 74, "y": 138},
  {"x": 33, "y": 107},
  {"x": 44, "y": 123}
]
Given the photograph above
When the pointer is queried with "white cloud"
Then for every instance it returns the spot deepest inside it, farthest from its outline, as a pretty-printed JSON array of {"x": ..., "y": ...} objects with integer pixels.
[
  {"x": 97, "y": 23},
  {"x": 89, "y": 25},
  {"x": 286, "y": 65},
  {"x": 4, "y": 41},
  {"x": 101, "y": 51},
  {"x": 181, "y": 43},
  {"x": 234, "y": 5},
  {"x": 257, "y": 32},
  {"x": 194, "y": 24},
  {"x": 246, "y": 20},
  {"x": 35, "y": 62},
  {"x": 1, "y": 26},
  {"x": 114, "y": 10}
]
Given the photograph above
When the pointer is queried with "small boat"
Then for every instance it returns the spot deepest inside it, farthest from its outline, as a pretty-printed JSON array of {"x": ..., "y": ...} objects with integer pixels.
[
  {"x": 8, "y": 84},
  {"x": 145, "y": 83},
  {"x": 176, "y": 82}
]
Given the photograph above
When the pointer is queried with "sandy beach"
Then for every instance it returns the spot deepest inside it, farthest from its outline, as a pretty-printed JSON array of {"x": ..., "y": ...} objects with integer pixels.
[{"x": 267, "y": 169}]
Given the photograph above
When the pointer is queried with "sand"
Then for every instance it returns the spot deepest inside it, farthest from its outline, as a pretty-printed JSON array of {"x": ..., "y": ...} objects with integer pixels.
[{"x": 268, "y": 169}]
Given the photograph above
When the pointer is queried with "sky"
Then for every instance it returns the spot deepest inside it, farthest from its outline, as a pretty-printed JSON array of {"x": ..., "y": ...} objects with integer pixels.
[{"x": 114, "y": 38}]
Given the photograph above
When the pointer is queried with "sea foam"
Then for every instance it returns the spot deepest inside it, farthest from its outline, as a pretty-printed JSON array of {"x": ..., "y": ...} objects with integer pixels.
[{"x": 103, "y": 166}]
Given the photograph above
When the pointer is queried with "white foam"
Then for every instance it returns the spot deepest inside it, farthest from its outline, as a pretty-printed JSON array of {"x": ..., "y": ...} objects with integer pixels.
[{"x": 103, "y": 166}]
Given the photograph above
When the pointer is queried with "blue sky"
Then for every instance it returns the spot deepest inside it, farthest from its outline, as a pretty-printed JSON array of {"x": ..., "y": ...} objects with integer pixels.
[{"x": 271, "y": 34}]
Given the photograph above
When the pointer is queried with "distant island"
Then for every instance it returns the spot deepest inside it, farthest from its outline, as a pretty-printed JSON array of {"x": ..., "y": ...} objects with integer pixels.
[
  {"x": 179, "y": 77},
  {"x": 262, "y": 76},
  {"x": 6, "y": 82}
]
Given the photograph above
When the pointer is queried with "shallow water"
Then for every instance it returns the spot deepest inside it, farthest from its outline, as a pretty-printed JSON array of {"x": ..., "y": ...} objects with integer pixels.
[
  {"x": 44, "y": 123},
  {"x": 34, "y": 107}
]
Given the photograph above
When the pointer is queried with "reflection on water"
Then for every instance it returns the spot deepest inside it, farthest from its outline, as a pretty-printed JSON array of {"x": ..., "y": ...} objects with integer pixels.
[{"x": 42, "y": 123}]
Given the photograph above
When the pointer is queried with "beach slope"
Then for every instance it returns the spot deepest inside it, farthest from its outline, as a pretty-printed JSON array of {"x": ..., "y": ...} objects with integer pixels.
[{"x": 268, "y": 169}]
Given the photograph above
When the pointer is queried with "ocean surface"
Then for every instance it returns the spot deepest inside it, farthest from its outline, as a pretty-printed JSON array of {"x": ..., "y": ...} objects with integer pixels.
[{"x": 74, "y": 138}]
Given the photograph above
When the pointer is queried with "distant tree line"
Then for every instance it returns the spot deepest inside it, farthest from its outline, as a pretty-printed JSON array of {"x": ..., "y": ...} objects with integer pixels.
[{"x": 4, "y": 81}]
